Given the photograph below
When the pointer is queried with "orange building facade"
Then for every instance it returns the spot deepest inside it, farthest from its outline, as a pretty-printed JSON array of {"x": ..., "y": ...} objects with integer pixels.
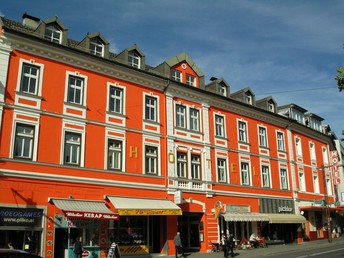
[{"x": 102, "y": 146}]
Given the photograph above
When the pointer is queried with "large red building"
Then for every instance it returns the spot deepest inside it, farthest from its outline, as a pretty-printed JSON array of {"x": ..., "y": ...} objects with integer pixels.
[{"x": 100, "y": 145}]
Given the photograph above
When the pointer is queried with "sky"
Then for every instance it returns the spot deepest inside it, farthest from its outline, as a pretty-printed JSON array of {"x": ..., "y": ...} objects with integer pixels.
[{"x": 287, "y": 49}]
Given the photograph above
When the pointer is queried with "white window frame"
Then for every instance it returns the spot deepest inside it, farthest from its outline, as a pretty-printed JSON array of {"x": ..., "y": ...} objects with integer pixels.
[
  {"x": 70, "y": 145},
  {"x": 242, "y": 131},
  {"x": 181, "y": 121},
  {"x": 53, "y": 33},
  {"x": 134, "y": 59},
  {"x": 312, "y": 151},
  {"x": 82, "y": 88},
  {"x": 248, "y": 98},
  {"x": 116, "y": 98},
  {"x": 245, "y": 173},
  {"x": 23, "y": 139},
  {"x": 182, "y": 165},
  {"x": 190, "y": 80},
  {"x": 39, "y": 77},
  {"x": 151, "y": 164},
  {"x": 262, "y": 133},
  {"x": 221, "y": 169},
  {"x": 284, "y": 178},
  {"x": 298, "y": 146},
  {"x": 116, "y": 154},
  {"x": 325, "y": 156},
  {"x": 221, "y": 89},
  {"x": 219, "y": 125},
  {"x": 151, "y": 111},
  {"x": 302, "y": 181},
  {"x": 194, "y": 119},
  {"x": 96, "y": 46},
  {"x": 316, "y": 185},
  {"x": 266, "y": 176},
  {"x": 176, "y": 75},
  {"x": 329, "y": 185},
  {"x": 280, "y": 141},
  {"x": 195, "y": 166}
]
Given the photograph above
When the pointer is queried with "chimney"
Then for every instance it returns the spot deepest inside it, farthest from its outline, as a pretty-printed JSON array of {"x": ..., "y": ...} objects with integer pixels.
[{"x": 30, "y": 21}]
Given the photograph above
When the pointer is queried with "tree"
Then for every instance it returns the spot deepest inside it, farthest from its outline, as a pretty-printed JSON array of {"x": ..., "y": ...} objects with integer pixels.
[{"x": 340, "y": 78}]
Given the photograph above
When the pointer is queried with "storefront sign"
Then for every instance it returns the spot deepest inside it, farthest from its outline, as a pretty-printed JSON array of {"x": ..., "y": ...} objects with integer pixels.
[
  {"x": 276, "y": 206},
  {"x": 91, "y": 215},
  {"x": 21, "y": 217},
  {"x": 285, "y": 209},
  {"x": 142, "y": 212},
  {"x": 238, "y": 208}
]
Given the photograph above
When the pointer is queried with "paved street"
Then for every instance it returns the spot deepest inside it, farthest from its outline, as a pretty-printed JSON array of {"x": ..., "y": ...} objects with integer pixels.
[{"x": 270, "y": 251}]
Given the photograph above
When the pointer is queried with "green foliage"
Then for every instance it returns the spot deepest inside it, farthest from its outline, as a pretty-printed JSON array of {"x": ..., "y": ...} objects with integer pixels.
[{"x": 340, "y": 78}]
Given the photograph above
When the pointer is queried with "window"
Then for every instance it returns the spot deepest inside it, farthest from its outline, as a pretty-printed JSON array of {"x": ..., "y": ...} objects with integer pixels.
[
  {"x": 52, "y": 33},
  {"x": 221, "y": 170},
  {"x": 245, "y": 173},
  {"x": 298, "y": 147},
  {"x": 284, "y": 179},
  {"x": 24, "y": 140},
  {"x": 181, "y": 165},
  {"x": 195, "y": 167},
  {"x": 266, "y": 176},
  {"x": 151, "y": 108},
  {"x": 316, "y": 183},
  {"x": 325, "y": 156},
  {"x": 134, "y": 59},
  {"x": 177, "y": 76},
  {"x": 328, "y": 186},
  {"x": 96, "y": 46},
  {"x": 242, "y": 131},
  {"x": 280, "y": 141},
  {"x": 29, "y": 79},
  {"x": 312, "y": 151},
  {"x": 302, "y": 181},
  {"x": 194, "y": 119},
  {"x": 75, "y": 90},
  {"x": 221, "y": 90},
  {"x": 151, "y": 160},
  {"x": 262, "y": 137},
  {"x": 219, "y": 126},
  {"x": 248, "y": 98},
  {"x": 114, "y": 154},
  {"x": 190, "y": 80},
  {"x": 116, "y": 100},
  {"x": 271, "y": 107},
  {"x": 72, "y": 148},
  {"x": 180, "y": 116}
]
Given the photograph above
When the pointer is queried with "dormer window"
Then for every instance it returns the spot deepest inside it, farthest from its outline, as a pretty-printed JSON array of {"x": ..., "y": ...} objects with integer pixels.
[
  {"x": 221, "y": 90},
  {"x": 134, "y": 59},
  {"x": 248, "y": 98},
  {"x": 53, "y": 33},
  {"x": 271, "y": 107},
  {"x": 176, "y": 75},
  {"x": 96, "y": 46},
  {"x": 190, "y": 80}
]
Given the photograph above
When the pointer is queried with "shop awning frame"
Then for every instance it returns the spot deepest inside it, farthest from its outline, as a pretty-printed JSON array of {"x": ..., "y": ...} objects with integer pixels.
[
  {"x": 229, "y": 216},
  {"x": 84, "y": 209},
  {"x": 285, "y": 218},
  {"x": 127, "y": 206}
]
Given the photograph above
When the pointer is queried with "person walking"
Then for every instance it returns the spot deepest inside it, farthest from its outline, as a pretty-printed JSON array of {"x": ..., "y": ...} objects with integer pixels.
[
  {"x": 230, "y": 245},
  {"x": 77, "y": 248},
  {"x": 178, "y": 244}
]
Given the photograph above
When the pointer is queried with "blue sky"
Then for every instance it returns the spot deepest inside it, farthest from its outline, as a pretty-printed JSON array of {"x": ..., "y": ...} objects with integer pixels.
[{"x": 289, "y": 49}]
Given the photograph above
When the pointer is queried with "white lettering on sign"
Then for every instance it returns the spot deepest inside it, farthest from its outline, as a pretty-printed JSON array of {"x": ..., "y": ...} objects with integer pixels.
[{"x": 285, "y": 209}]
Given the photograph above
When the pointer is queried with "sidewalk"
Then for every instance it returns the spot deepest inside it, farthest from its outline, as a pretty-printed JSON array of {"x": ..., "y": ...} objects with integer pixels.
[{"x": 263, "y": 252}]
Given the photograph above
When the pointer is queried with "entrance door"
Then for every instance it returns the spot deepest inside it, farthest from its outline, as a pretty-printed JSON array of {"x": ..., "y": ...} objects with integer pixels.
[{"x": 189, "y": 230}]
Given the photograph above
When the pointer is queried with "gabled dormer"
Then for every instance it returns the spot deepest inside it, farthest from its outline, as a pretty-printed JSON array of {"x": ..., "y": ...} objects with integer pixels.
[
  {"x": 293, "y": 111},
  {"x": 267, "y": 103},
  {"x": 132, "y": 56},
  {"x": 314, "y": 121},
  {"x": 218, "y": 86},
  {"x": 53, "y": 30},
  {"x": 182, "y": 69},
  {"x": 95, "y": 44},
  {"x": 245, "y": 95}
]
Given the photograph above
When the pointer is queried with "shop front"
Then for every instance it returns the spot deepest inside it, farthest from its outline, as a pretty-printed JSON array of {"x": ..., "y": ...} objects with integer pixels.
[
  {"x": 143, "y": 224},
  {"x": 23, "y": 227}
]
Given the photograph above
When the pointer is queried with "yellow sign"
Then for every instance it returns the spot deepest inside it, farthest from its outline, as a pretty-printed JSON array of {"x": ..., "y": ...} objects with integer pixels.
[
  {"x": 143, "y": 212},
  {"x": 134, "y": 249}
]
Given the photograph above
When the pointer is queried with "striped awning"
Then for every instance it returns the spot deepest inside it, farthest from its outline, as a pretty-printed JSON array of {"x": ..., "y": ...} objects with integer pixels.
[
  {"x": 84, "y": 209},
  {"x": 245, "y": 217},
  {"x": 285, "y": 218}
]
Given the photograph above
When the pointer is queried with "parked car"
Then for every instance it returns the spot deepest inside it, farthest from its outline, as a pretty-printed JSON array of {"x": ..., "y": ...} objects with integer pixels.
[{"x": 15, "y": 253}]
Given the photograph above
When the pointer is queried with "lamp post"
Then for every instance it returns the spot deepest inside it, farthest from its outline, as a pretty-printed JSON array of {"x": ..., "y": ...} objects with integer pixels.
[{"x": 329, "y": 231}]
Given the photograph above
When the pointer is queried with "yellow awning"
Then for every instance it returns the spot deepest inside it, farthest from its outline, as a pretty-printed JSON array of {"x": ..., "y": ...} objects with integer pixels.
[
  {"x": 244, "y": 216},
  {"x": 144, "y": 207},
  {"x": 285, "y": 218}
]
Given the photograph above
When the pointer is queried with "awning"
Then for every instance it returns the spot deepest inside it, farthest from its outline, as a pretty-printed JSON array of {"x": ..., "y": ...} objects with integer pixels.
[
  {"x": 84, "y": 209},
  {"x": 245, "y": 217},
  {"x": 285, "y": 218},
  {"x": 144, "y": 207}
]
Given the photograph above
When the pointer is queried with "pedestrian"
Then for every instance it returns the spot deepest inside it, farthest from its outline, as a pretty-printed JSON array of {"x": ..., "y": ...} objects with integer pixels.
[
  {"x": 224, "y": 241},
  {"x": 78, "y": 248},
  {"x": 178, "y": 244},
  {"x": 230, "y": 245}
]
